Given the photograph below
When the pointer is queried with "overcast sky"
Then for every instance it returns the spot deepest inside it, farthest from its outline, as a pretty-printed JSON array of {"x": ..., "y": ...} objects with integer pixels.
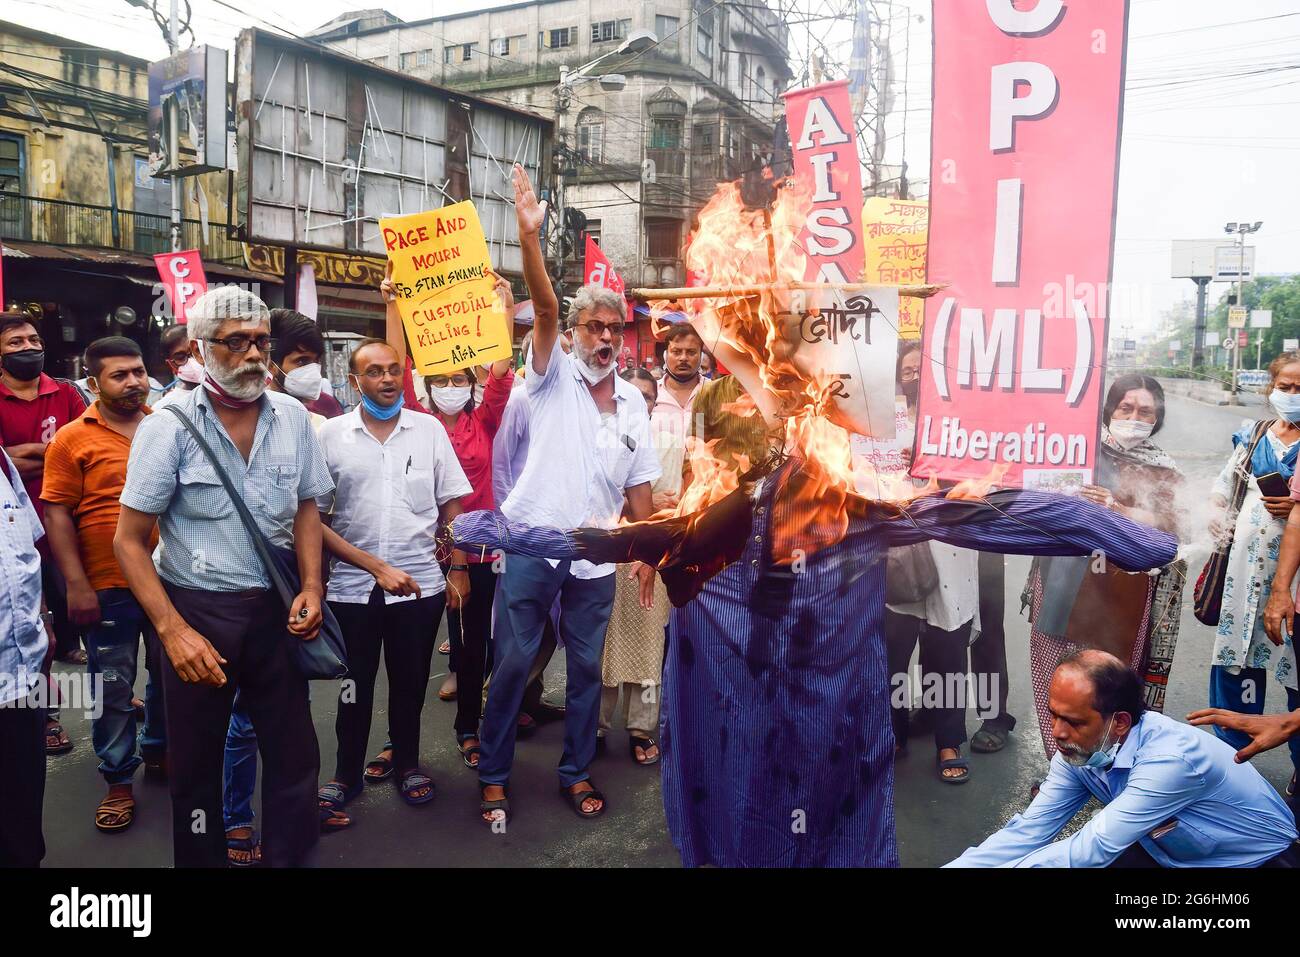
[{"x": 1201, "y": 146}]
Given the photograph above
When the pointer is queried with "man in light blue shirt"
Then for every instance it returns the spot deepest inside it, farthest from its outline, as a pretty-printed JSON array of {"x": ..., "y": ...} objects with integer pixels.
[
  {"x": 1171, "y": 790},
  {"x": 23, "y": 644}
]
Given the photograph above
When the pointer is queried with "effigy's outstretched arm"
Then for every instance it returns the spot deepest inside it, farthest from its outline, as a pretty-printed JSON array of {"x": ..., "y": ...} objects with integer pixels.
[{"x": 1021, "y": 522}]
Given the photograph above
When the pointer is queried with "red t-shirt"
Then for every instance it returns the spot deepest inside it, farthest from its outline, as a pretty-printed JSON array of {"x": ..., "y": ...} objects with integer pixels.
[
  {"x": 36, "y": 420},
  {"x": 472, "y": 437}
]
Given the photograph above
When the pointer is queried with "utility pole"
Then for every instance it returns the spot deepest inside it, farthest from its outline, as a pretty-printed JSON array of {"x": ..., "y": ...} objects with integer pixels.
[
  {"x": 174, "y": 131},
  {"x": 1241, "y": 229}
]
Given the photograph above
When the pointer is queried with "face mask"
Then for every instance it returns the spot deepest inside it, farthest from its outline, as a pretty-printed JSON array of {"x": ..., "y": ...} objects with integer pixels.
[
  {"x": 449, "y": 399},
  {"x": 479, "y": 391},
  {"x": 1130, "y": 433},
  {"x": 909, "y": 390},
  {"x": 191, "y": 371},
  {"x": 304, "y": 382},
  {"x": 1103, "y": 758},
  {"x": 1285, "y": 404},
  {"x": 127, "y": 404},
  {"x": 25, "y": 365},
  {"x": 683, "y": 379},
  {"x": 380, "y": 412},
  {"x": 594, "y": 376}
]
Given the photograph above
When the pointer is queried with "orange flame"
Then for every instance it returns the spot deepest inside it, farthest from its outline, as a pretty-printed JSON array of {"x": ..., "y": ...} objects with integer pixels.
[{"x": 735, "y": 246}]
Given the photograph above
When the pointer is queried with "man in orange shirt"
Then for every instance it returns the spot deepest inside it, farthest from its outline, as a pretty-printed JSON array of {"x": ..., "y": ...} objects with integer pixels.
[{"x": 85, "y": 470}]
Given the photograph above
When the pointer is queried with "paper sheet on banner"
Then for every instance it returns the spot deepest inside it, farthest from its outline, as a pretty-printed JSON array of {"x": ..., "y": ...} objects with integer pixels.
[
  {"x": 853, "y": 337},
  {"x": 896, "y": 233},
  {"x": 452, "y": 316},
  {"x": 879, "y": 457}
]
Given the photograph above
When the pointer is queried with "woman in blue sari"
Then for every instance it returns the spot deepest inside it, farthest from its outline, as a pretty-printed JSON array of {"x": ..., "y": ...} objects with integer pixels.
[{"x": 1244, "y": 655}]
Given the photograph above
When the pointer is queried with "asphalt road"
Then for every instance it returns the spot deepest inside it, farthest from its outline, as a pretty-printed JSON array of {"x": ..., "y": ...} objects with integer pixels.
[{"x": 936, "y": 821}]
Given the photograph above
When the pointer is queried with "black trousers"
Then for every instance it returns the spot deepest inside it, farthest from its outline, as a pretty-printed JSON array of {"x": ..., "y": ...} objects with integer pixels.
[
  {"x": 22, "y": 781},
  {"x": 248, "y": 630},
  {"x": 943, "y": 654},
  {"x": 470, "y": 631},
  {"x": 988, "y": 655},
  {"x": 406, "y": 632}
]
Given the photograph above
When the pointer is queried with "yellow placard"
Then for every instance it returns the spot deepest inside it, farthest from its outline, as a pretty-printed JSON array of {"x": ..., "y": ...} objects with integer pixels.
[
  {"x": 453, "y": 317},
  {"x": 896, "y": 233}
]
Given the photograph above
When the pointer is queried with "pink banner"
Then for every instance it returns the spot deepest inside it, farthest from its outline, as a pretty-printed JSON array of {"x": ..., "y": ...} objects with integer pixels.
[
  {"x": 1024, "y": 160},
  {"x": 824, "y": 141},
  {"x": 182, "y": 276}
]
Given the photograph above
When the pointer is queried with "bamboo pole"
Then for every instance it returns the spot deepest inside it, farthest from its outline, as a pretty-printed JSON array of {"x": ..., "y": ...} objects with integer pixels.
[{"x": 718, "y": 292}]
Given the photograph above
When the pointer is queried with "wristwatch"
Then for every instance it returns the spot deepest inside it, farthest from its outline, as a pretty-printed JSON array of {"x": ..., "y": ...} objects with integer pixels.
[{"x": 459, "y": 568}]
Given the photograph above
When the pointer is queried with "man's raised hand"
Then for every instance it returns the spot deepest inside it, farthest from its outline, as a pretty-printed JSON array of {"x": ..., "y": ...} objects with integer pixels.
[{"x": 530, "y": 213}]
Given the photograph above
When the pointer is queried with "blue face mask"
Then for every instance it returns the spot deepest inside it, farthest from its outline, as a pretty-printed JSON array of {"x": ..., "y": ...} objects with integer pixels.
[
  {"x": 382, "y": 412},
  {"x": 1102, "y": 759},
  {"x": 1285, "y": 404}
]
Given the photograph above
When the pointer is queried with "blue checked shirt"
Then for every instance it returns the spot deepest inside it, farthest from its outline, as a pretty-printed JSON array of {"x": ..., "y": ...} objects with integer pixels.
[
  {"x": 204, "y": 546},
  {"x": 22, "y": 638}
]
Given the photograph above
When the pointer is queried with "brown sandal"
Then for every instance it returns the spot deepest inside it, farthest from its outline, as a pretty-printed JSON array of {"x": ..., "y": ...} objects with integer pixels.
[
  {"x": 115, "y": 812},
  {"x": 56, "y": 739}
]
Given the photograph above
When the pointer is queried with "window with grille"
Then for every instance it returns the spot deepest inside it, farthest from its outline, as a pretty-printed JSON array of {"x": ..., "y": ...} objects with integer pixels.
[
  {"x": 467, "y": 52},
  {"x": 666, "y": 134},
  {"x": 704, "y": 36},
  {"x": 500, "y": 46},
  {"x": 607, "y": 30},
  {"x": 591, "y": 135},
  {"x": 424, "y": 58},
  {"x": 662, "y": 238},
  {"x": 666, "y": 27},
  {"x": 449, "y": 54},
  {"x": 554, "y": 39}
]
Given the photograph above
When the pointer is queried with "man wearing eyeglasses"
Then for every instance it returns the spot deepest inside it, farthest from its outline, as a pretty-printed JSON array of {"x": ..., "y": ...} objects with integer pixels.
[
  {"x": 221, "y": 627},
  {"x": 590, "y": 461}
]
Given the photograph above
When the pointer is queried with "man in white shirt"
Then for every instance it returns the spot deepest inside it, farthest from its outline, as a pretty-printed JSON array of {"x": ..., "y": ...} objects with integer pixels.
[
  {"x": 589, "y": 453},
  {"x": 396, "y": 480}
]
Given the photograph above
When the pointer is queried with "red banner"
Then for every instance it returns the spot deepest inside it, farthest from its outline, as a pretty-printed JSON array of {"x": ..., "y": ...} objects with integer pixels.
[
  {"x": 824, "y": 143},
  {"x": 182, "y": 277},
  {"x": 1024, "y": 160}
]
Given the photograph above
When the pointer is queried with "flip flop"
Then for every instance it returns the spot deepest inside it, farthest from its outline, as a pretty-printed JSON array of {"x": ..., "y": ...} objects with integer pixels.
[
  {"x": 645, "y": 744},
  {"x": 411, "y": 782},
  {"x": 251, "y": 845},
  {"x": 115, "y": 812}
]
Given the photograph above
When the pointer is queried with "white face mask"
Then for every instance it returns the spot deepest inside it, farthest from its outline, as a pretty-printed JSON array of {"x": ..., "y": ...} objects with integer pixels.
[
  {"x": 479, "y": 390},
  {"x": 304, "y": 382},
  {"x": 1130, "y": 433},
  {"x": 449, "y": 399},
  {"x": 191, "y": 371},
  {"x": 593, "y": 376}
]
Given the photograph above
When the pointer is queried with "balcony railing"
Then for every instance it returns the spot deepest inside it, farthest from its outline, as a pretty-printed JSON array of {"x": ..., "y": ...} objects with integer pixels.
[
  {"x": 668, "y": 162},
  {"x": 59, "y": 222}
]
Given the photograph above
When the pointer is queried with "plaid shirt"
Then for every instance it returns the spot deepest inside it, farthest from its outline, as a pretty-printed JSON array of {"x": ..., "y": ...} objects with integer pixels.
[{"x": 204, "y": 544}]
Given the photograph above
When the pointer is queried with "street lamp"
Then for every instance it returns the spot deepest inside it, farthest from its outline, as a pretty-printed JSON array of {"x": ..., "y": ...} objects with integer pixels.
[
  {"x": 638, "y": 42},
  {"x": 1241, "y": 229}
]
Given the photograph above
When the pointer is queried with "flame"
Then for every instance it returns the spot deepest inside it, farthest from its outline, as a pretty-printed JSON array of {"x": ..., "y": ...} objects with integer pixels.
[
  {"x": 978, "y": 488},
  {"x": 734, "y": 247}
]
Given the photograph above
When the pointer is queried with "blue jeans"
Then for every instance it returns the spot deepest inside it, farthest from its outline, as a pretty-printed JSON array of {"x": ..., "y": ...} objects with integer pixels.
[
  {"x": 1228, "y": 691},
  {"x": 240, "y": 770},
  {"x": 112, "y": 649},
  {"x": 525, "y": 592}
]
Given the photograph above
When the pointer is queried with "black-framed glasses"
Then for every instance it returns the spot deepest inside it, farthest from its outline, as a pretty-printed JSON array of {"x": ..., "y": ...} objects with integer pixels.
[
  {"x": 442, "y": 381},
  {"x": 239, "y": 344},
  {"x": 374, "y": 372},
  {"x": 596, "y": 327}
]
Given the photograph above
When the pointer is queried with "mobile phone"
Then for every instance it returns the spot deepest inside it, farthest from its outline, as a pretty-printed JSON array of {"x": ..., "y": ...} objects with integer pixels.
[{"x": 1273, "y": 485}]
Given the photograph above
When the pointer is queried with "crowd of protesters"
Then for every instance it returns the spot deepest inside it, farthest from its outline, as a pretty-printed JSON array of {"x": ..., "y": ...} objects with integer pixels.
[{"x": 137, "y": 520}]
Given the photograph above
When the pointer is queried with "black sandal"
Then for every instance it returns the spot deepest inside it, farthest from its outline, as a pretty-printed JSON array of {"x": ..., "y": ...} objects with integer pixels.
[
  {"x": 958, "y": 763},
  {"x": 575, "y": 799},
  {"x": 485, "y": 806},
  {"x": 471, "y": 751},
  {"x": 989, "y": 738},
  {"x": 251, "y": 845},
  {"x": 645, "y": 744},
  {"x": 379, "y": 769},
  {"x": 412, "y": 781}
]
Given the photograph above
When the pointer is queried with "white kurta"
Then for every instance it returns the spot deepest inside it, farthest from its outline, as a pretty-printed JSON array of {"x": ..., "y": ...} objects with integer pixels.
[{"x": 1256, "y": 541}]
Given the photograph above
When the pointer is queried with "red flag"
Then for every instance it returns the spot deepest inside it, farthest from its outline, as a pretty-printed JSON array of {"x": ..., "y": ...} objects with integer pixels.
[
  {"x": 597, "y": 271},
  {"x": 182, "y": 276}
]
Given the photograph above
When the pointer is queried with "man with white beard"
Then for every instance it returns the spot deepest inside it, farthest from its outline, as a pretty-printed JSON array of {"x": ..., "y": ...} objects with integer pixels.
[
  {"x": 222, "y": 629},
  {"x": 590, "y": 459}
]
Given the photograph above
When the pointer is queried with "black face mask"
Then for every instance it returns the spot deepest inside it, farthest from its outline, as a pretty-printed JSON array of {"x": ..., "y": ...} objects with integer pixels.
[
  {"x": 683, "y": 379},
  {"x": 25, "y": 365},
  {"x": 910, "y": 389}
]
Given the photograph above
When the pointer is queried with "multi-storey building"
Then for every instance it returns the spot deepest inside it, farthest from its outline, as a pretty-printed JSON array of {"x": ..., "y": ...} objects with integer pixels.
[{"x": 698, "y": 107}]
